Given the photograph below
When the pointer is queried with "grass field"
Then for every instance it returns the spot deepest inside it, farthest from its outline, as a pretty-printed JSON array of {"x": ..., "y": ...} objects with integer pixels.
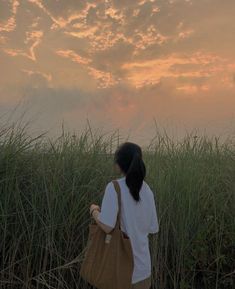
[{"x": 46, "y": 187}]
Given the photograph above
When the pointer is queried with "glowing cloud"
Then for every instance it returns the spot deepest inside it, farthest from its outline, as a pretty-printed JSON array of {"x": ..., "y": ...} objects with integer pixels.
[
  {"x": 73, "y": 56},
  {"x": 10, "y": 24},
  {"x": 33, "y": 38}
]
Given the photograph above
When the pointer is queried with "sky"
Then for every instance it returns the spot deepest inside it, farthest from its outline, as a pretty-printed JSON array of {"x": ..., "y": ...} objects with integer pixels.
[{"x": 127, "y": 65}]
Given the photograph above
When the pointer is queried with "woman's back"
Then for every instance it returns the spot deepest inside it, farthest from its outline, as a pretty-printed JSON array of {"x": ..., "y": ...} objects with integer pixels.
[{"x": 138, "y": 219}]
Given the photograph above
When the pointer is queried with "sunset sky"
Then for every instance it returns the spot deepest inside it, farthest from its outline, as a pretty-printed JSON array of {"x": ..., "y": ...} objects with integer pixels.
[{"x": 120, "y": 64}]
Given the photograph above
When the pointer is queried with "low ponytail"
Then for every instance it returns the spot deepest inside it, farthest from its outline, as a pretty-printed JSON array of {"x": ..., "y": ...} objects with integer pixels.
[{"x": 129, "y": 158}]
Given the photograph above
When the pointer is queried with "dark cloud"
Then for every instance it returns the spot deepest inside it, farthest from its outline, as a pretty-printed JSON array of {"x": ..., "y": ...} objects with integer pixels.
[
  {"x": 61, "y": 8},
  {"x": 5, "y": 11}
]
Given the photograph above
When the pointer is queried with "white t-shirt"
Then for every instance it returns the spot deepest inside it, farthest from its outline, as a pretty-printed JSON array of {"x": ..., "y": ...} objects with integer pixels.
[{"x": 137, "y": 221}]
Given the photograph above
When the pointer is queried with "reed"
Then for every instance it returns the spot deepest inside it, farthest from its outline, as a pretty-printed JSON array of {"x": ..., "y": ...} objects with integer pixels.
[{"x": 46, "y": 187}]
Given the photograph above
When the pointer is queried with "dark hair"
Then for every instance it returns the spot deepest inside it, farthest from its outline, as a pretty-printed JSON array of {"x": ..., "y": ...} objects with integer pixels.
[{"x": 129, "y": 158}]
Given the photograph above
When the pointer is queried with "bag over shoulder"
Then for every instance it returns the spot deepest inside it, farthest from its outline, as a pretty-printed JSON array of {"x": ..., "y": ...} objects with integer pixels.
[{"x": 108, "y": 262}]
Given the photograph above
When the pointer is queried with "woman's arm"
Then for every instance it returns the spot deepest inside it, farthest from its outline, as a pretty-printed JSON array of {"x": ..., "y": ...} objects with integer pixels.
[{"x": 105, "y": 228}]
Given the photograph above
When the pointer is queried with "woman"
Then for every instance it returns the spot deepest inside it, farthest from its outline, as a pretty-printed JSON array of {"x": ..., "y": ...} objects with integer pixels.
[{"x": 138, "y": 210}]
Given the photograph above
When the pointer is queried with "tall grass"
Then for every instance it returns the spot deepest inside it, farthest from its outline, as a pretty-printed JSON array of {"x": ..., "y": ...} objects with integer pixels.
[{"x": 46, "y": 187}]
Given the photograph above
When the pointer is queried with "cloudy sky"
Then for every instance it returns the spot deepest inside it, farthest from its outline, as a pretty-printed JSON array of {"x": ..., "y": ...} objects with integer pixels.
[{"x": 120, "y": 64}]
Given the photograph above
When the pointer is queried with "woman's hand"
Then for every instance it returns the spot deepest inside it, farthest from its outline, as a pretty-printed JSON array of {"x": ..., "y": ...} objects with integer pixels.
[
  {"x": 104, "y": 227},
  {"x": 94, "y": 207}
]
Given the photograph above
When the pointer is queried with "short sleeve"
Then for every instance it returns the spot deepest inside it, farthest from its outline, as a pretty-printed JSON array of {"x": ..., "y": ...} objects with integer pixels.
[
  {"x": 109, "y": 207},
  {"x": 154, "y": 225}
]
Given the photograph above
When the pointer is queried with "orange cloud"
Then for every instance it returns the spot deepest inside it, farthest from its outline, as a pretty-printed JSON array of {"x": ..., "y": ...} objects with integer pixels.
[
  {"x": 46, "y": 76},
  {"x": 104, "y": 79},
  {"x": 192, "y": 89},
  {"x": 142, "y": 2},
  {"x": 143, "y": 39},
  {"x": 73, "y": 56},
  {"x": 101, "y": 37},
  {"x": 185, "y": 34},
  {"x": 115, "y": 14},
  {"x": 152, "y": 71},
  {"x": 60, "y": 22},
  {"x": 32, "y": 36},
  {"x": 11, "y": 22},
  {"x": 84, "y": 32},
  {"x": 3, "y": 39}
]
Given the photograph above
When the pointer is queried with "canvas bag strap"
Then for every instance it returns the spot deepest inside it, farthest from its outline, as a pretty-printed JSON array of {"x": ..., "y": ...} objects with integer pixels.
[{"x": 118, "y": 191}]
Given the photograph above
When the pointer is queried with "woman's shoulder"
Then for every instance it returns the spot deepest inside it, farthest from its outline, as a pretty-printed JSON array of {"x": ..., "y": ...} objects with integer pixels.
[
  {"x": 146, "y": 185},
  {"x": 148, "y": 188},
  {"x": 118, "y": 180},
  {"x": 121, "y": 181}
]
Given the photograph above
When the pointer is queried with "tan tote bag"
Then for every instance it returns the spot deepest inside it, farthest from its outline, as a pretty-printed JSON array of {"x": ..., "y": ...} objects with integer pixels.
[{"x": 108, "y": 261}]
